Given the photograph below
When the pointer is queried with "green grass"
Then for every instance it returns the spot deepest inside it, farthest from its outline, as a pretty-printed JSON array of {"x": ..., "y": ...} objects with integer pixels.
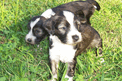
[{"x": 20, "y": 61}]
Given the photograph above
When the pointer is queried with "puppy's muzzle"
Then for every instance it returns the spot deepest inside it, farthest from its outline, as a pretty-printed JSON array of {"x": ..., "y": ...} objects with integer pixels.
[{"x": 75, "y": 38}]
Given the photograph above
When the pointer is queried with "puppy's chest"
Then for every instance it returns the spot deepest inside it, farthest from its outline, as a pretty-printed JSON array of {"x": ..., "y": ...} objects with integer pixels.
[{"x": 61, "y": 52}]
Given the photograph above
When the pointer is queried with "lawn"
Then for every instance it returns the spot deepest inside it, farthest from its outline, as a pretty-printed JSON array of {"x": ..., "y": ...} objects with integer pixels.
[{"x": 20, "y": 61}]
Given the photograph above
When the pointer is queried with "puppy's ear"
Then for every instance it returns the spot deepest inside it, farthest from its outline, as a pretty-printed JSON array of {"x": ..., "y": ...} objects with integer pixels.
[
  {"x": 95, "y": 4},
  {"x": 79, "y": 14},
  {"x": 40, "y": 22},
  {"x": 80, "y": 17},
  {"x": 33, "y": 19},
  {"x": 49, "y": 26}
]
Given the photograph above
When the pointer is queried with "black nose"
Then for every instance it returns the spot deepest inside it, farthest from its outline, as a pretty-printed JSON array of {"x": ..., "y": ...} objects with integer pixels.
[
  {"x": 75, "y": 38},
  {"x": 29, "y": 40}
]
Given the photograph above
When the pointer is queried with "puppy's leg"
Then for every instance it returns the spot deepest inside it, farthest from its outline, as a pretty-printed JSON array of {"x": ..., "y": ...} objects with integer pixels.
[
  {"x": 71, "y": 70},
  {"x": 99, "y": 48},
  {"x": 54, "y": 68}
]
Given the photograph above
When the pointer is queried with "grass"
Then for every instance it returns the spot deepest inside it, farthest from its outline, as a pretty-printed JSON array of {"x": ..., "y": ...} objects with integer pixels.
[{"x": 20, "y": 61}]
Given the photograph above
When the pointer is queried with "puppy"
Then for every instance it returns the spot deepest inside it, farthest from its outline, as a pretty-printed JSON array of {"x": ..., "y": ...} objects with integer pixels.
[
  {"x": 69, "y": 35},
  {"x": 37, "y": 33}
]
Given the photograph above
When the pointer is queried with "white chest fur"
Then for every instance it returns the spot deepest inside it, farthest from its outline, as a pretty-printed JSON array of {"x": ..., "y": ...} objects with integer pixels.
[{"x": 61, "y": 52}]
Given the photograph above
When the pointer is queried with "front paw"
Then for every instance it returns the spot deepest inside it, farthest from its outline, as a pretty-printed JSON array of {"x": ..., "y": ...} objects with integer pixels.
[
  {"x": 69, "y": 78},
  {"x": 54, "y": 78}
]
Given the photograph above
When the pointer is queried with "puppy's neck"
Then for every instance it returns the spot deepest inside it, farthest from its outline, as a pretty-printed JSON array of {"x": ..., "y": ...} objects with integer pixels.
[{"x": 55, "y": 39}]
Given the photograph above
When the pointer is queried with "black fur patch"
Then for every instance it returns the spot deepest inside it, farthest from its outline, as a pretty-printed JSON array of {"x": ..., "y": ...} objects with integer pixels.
[{"x": 50, "y": 43}]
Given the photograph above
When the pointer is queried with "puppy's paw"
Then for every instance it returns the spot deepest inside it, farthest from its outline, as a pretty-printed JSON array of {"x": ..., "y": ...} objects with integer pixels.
[
  {"x": 54, "y": 78},
  {"x": 102, "y": 60},
  {"x": 69, "y": 78}
]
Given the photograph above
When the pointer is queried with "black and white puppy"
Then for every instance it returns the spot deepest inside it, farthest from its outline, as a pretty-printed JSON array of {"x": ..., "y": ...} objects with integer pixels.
[
  {"x": 64, "y": 36},
  {"x": 37, "y": 33},
  {"x": 69, "y": 35}
]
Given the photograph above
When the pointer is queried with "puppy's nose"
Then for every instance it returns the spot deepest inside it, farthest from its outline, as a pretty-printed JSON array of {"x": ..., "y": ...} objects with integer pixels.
[
  {"x": 29, "y": 40},
  {"x": 75, "y": 38}
]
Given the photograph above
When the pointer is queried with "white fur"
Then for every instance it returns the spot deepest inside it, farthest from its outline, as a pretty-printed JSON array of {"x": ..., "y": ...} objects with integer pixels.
[
  {"x": 69, "y": 78},
  {"x": 32, "y": 24},
  {"x": 30, "y": 34},
  {"x": 54, "y": 77},
  {"x": 95, "y": 6},
  {"x": 102, "y": 60},
  {"x": 73, "y": 31},
  {"x": 61, "y": 52},
  {"x": 48, "y": 13}
]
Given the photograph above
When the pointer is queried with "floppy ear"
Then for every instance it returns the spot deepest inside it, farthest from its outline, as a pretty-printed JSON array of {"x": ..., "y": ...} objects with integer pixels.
[
  {"x": 95, "y": 4},
  {"x": 40, "y": 22},
  {"x": 49, "y": 26},
  {"x": 31, "y": 20},
  {"x": 81, "y": 19}
]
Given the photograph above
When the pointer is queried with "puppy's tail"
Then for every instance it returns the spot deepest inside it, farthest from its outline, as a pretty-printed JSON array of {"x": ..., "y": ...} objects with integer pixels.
[{"x": 94, "y": 3}]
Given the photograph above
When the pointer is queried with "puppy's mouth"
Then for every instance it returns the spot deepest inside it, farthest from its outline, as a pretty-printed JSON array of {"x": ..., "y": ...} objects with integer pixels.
[
  {"x": 74, "y": 40},
  {"x": 32, "y": 43},
  {"x": 73, "y": 43},
  {"x": 37, "y": 41}
]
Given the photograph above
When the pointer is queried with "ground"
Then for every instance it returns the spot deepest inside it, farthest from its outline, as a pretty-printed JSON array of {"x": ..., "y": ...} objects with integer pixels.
[{"x": 20, "y": 61}]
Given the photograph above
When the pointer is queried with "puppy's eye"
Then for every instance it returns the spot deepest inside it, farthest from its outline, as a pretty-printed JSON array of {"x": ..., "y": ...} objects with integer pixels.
[
  {"x": 37, "y": 31},
  {"x": 64, "y": 28}
]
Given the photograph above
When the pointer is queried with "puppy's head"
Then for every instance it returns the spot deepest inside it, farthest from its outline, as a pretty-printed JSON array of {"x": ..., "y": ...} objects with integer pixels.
[
  {"x": 36, "y": 31},
  {"x": 64, "y": 25}
]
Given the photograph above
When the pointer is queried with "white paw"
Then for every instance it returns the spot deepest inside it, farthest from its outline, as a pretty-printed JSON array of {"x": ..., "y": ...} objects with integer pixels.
[
  {"x": 69, "y": 78},
  {"x": 54, "y": 78},
  {"x": 102, "y": 60}
]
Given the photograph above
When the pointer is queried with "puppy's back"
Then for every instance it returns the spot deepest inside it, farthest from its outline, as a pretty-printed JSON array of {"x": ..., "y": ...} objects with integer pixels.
[{"x": 91, "y": 39}]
